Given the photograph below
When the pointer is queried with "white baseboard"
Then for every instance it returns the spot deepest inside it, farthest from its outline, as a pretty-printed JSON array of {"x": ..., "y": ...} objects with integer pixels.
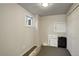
[
  {"x": 35, "y": 52},
  {"x": 45, "y": 44}
]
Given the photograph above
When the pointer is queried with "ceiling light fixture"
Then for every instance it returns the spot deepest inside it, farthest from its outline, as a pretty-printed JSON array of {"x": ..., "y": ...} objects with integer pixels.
[{"x": 44, "y": 4}]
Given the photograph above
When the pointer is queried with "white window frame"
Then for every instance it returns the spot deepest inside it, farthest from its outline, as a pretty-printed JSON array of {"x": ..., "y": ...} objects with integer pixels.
[
  {"x": 27, "y": 18},
  {"x": 58, "y": 28}
]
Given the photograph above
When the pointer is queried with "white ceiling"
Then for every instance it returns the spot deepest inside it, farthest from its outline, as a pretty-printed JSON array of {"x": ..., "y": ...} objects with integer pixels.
[{"x": 52, "y": 9}]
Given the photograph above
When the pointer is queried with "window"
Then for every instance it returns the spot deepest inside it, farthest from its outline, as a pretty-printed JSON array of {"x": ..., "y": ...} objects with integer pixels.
[
  {"x": 60, "y": 27},
  {"x": 28, "y": 21}
]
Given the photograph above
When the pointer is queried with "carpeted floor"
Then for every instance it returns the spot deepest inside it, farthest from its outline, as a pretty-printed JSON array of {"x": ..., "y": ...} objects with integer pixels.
[{"x": 53, "y": 51}]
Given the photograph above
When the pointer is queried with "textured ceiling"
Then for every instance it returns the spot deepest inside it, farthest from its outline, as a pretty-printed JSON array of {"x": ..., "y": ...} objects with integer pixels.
[{"x": 52, "y": 9}]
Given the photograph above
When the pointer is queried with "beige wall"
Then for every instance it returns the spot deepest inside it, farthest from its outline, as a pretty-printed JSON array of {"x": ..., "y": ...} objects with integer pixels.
[
  {"x": 15, "y": 37},
  {"x": 73, "y": 32},
  {"x": 36, "y": 31},
  {"x": 47, "y": 26}
]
